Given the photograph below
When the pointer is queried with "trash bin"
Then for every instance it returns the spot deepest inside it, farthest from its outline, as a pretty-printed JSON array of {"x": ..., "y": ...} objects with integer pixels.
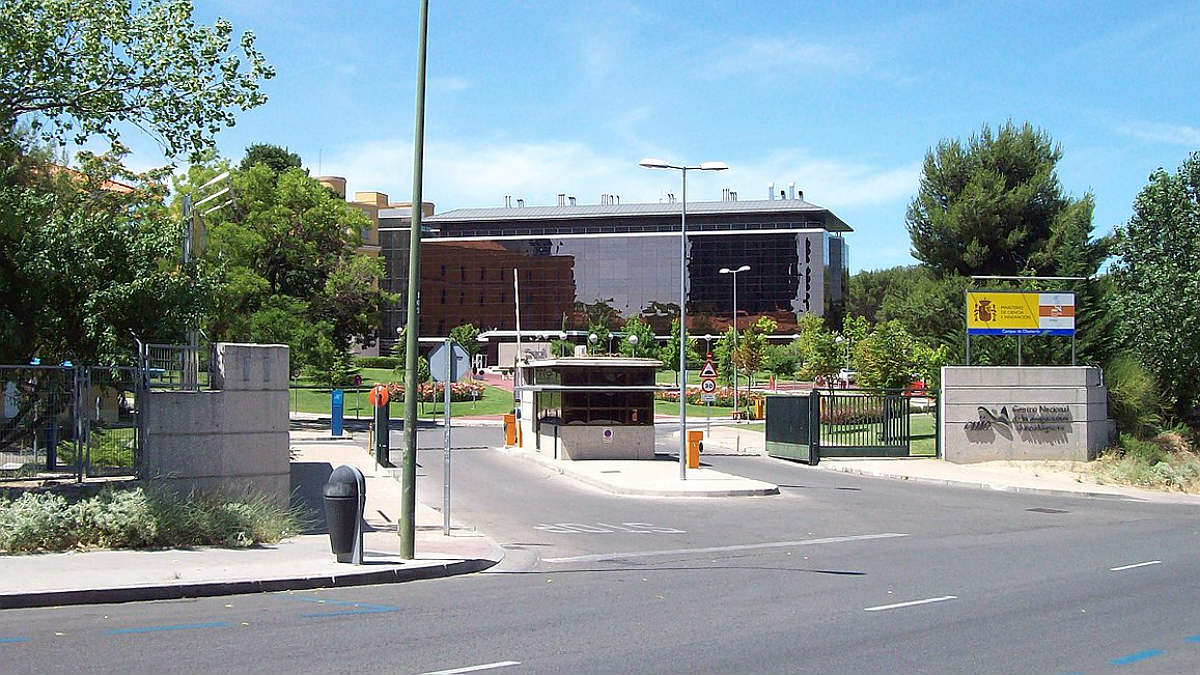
[
  {"x": 510, "y": 430},
  {"x": 694, "y": 447},
  {"x": 345, "y": 498}
]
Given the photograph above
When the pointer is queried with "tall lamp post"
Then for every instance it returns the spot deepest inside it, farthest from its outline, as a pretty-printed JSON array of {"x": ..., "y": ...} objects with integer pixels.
[
  {"x": 726, "y": 270},
  {"x": 651, "y": 163}
]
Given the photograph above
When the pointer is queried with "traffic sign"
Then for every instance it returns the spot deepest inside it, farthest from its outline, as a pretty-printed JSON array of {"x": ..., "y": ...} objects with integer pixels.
[
  {"x": 708, "y": 386},
  {"x": 708, "y": 397},
  {"x": 459, "y": 362},
  {"x": 378, "y": 396},
  {"x": 709, "y": 370}
]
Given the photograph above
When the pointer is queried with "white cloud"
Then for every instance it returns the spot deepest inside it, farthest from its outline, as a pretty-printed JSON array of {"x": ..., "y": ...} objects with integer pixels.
[
  {"x": 459, "y": 175},
  {"x": 1158, "y": 132},
  {"x": 768, "y": 55},
  {"x": 451, "y": 83}
]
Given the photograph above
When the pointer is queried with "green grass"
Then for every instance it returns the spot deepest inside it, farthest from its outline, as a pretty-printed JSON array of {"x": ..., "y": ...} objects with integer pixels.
[{"x": 311, "y": 398}]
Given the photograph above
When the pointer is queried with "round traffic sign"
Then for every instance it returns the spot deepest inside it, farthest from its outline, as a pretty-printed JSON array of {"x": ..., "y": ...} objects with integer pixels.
[
  {"x": 378, "y": 396},
  {"x": 708, "y": 386}
]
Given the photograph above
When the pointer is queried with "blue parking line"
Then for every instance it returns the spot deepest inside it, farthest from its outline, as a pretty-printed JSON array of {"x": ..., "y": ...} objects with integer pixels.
[
  {"x": 11, "y": 640},
  {"x": 1195, "y": 639},
  {"x": 1137, "y": 656},
  {"x": 355, "y": 608},
  {"x": 159, "y": 629}
]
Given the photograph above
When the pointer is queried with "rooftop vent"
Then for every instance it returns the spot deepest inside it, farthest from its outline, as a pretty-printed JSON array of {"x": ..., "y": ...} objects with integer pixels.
[
  {"x": 771, "y": 191},
  {"x": 520, "y": 203}
]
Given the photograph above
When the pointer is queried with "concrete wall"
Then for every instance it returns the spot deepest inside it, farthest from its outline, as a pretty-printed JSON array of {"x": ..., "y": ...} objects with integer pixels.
[
  {"x": 1030, "y": 412},
  {"x": 587, "y": 441},
  {"x": 229, "y": 439}
]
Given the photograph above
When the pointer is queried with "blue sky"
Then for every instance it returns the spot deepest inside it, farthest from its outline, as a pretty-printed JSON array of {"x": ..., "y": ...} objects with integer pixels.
[{"x": 536, "y": 98}]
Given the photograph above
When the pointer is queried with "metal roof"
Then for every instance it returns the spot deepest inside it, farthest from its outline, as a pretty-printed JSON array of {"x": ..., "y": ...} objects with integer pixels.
[{"x": 586, "y": 211}]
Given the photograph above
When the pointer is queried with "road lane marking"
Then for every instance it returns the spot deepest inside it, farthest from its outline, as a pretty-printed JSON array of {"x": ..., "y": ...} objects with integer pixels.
[
  {"x": 471, "y": 669},
  {"x": 597, "y": 557},
  {"x": 354, "y": 608},
  {"x": 1129, "y": 567},
  {"x": 1195, "y": 639},
  {"x": 910, "y": 603},
  {"x": 1137, "y": 656},
  {"x": 159, "y": 629},
  {"x": 12, "y": 640}
]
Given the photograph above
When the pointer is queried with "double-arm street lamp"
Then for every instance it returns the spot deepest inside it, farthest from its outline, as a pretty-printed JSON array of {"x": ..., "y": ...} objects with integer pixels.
[
  {"x": 726, "y": 270},
  {"x": 651, "y": 163}
]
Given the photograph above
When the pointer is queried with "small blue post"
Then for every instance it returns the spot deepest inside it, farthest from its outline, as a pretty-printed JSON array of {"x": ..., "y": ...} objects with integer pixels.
[{"x": 336, "y": 422}]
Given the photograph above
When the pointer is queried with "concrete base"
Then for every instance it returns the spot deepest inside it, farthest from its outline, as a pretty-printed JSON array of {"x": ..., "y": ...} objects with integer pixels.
[
  {"x": 1032, "y": 412},
  {"x": 585, "y": 441}
]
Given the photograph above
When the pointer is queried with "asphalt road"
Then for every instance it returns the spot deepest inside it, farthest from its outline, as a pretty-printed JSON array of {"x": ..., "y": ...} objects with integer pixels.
[{"x": 837, "y": 574}]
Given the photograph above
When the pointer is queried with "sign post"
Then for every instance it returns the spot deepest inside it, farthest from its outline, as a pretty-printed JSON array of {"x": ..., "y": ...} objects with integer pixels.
[
  {"x": 448, "y": 363},
  {"x": 708, "y": 390},
  {"x": 379, "y": 405}
]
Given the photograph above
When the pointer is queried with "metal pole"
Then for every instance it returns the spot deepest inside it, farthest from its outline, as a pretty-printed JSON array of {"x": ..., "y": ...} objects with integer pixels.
[
  {"x": 408, "y": 503},
  {"x": 446, "y": 452},
  {"x": 735, "y": 340},
  {"x": 683, "y": 331},
  {"x": 1018, "y": 350}
]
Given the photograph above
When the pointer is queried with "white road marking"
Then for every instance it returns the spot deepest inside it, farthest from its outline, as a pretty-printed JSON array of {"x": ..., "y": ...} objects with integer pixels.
[
  {"x": 471, "y": 669},
  {"x": 910, "y": 603},
  {"x": 720, "y": 549},
  {"x": 1129, "y": 567}
]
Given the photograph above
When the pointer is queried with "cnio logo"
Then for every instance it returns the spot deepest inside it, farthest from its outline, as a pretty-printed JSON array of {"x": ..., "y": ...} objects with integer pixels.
[{"x": 988, "y": 419}]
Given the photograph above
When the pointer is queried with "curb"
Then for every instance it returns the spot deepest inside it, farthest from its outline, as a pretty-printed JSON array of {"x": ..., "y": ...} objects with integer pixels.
[
  {"x": 218, "y": 588},
  {"x": 1016, "y": 489},
  {"x": 635, "y": 492}
]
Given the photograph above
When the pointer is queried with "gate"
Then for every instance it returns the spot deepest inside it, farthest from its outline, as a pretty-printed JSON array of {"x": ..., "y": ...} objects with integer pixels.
[
  {"x": 852, "y": 423},
  {"x": 791, "y": 425},
  {"x": 63, "y": 422},
  {"x": 865, "y": 423}
]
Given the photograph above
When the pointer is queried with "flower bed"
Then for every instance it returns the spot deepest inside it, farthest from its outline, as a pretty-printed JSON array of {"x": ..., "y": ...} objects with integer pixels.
[
  {"x": 434, "y": 391},
  {"x": 724, "y": 397}
]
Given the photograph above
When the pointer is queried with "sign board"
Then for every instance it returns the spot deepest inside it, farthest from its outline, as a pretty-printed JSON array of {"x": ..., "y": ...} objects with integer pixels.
[
  {"x": 708, "y": 386},
  {"x": 607, "y": 435},
  {"x": 708, "y": 397},
  {"x": 337, "y": 400},
  {"x": 460, "y": 362},
  {"x": 1020, "y": 313},
  {"x": 378, "y": 396},
  {"x": 709, "y": 370}
]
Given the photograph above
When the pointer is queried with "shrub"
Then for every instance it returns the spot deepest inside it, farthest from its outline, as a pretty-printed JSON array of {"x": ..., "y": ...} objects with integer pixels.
[
  {"x": 388, "y": 362},
  {"x": 1168, "y": 461},
  {"x": 1134, "y": 396},
  {"x": 137, "y": 518}
]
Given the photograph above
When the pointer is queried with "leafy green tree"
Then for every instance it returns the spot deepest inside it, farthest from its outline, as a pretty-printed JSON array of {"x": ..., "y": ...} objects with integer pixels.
[
  {"x": 76, "y": 69},
  {"x": 989, "y": 207},
  {"x": 86, "y": 263},
  {"x": 1158, "y": 282},
  {"x": 887, "y": 358},
  {"x": 273, "y": 157},
  {"x": 723, "y": 357},
  {"x": 289, "y": 267},
  {"x": 600, "y": 345},
  {"x": 669, "y": 354},
  {"x": 646, "y": 345},
  {"x": 467, "y": 335},
  {"x": 783, "y": 360},
  {"x": 752, "y": 345},
  {"x": 823, "y": 356}
]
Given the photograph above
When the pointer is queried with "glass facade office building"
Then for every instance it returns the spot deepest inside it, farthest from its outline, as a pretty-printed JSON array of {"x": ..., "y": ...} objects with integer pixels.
[{"x": 576, "y": 265}]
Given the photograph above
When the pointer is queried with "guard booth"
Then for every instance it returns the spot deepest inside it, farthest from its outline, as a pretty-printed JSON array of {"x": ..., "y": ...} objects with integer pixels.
[{"x": 588, "y": 407}]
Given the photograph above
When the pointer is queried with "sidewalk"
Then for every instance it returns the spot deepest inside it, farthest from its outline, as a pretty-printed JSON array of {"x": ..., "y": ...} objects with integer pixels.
[
  {"x": 302, "y": 562},
  {"x": 650, "y": 478}
]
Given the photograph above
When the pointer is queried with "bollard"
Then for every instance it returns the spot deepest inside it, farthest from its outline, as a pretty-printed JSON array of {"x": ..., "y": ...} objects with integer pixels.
[
  {"x": 694, "y": 446},
  {"x": 345, "y": 499}
]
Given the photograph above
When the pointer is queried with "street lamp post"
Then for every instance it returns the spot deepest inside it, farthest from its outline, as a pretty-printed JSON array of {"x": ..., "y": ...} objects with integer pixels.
[
  {"x": 651, "y": 163},
  {"x": 726, "y": 270},
  {"x": 593, "y": 339},
  {"x": 633, "y": 343}
]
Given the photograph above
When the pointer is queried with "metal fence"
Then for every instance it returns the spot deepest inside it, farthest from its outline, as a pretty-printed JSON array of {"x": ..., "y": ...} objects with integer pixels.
[
  {"x": 853, "y": 423},
  {"x": 64, "y": 422},
  {"x": 174, "y": 366}
]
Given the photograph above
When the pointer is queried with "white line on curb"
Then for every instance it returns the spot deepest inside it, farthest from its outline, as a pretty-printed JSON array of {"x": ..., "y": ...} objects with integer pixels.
[
  {"x": 1129, "y": 567},
  {"x": 720, "y": 549},
  {"x": 471, "y": 669},
  {"x": 910, "y": 603}
]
